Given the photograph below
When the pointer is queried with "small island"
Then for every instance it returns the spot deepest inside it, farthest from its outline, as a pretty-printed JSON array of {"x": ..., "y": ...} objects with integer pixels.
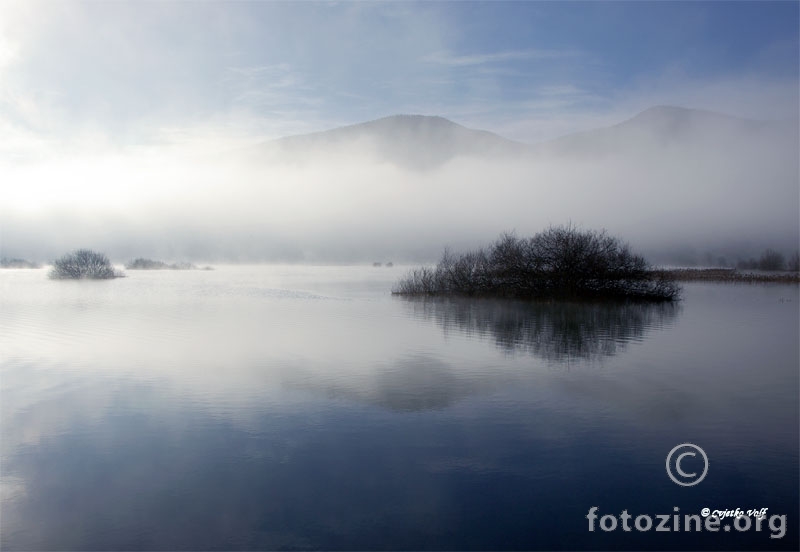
[
  {"x": 84, "y": 264},
  {"x": 149, "y": 264},
  {"x": 561, "y": 262},
  {"x": 6, "y": 262}
]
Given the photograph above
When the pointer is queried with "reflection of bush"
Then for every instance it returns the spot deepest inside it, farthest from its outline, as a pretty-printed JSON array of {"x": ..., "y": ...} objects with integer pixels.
[{"x": 550, "y": 330}]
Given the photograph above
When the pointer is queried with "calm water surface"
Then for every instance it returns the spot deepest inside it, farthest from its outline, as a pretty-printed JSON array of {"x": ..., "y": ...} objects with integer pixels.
[{"x": 304, "y": 407}]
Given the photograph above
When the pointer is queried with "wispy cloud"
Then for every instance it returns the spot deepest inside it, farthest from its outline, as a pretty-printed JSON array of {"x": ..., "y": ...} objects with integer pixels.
[
  {"x": 454, "y": 60},
  {"x": 271, "y": 86},
  {"x": 276, "y": 70}
]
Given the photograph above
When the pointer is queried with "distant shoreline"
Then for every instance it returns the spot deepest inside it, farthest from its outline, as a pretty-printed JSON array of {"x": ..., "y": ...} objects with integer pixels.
[
  {"x": 728, "y": 275},
  {"x": 717, "y": 275}
]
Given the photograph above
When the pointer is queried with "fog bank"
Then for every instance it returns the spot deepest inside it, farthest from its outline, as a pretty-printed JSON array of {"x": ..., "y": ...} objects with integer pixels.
[{"x": 674, "y": 183}]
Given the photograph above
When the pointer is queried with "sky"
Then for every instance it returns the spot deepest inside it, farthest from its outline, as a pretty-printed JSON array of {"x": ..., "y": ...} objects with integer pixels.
[
  {"x": 92, "y": 89},
  {"x": 147, "y": 71}
]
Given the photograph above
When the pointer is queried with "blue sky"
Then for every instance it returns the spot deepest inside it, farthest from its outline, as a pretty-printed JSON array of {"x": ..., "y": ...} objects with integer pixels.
[{"x": 160, "y": 72}]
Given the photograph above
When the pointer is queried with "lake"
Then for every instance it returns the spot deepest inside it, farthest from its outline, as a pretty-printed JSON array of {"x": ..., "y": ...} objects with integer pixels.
[{"x": 301, "y": 407}]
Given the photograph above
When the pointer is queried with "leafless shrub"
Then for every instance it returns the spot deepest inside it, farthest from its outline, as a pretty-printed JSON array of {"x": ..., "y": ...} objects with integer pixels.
[
  {"x": 149, "y": 264},
  {"x": 794, "y": 262},
  {"x": 83, "y": 264},
  {"x": 771, "y": 260}
]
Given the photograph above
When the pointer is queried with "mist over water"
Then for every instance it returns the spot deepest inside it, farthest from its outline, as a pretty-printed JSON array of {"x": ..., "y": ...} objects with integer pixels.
[{"x": 674, "y": 183}]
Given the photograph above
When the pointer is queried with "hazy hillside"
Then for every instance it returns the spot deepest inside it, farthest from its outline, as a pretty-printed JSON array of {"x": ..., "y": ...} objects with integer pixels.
[
  {"x": 666, "y": 127},
  {"x": 424, "y": 142},
  {"x": 409, "y": 141},
  {"x": 679, "y": 184}
]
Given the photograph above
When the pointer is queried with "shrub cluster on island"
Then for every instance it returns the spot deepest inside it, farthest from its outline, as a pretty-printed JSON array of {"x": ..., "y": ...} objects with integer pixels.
[
  {"x": 561, "y": 262},
  {"x": 84, "y": 264},
  {"x": 150, "y": 264}
]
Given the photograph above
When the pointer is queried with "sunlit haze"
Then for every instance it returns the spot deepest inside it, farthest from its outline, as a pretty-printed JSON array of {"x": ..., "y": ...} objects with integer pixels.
[{"x": 154, "y": 128}]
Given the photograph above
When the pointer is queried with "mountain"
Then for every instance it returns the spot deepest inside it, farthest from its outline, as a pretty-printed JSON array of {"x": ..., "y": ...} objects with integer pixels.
[
  {"x": 422, "y": 143},
  {"x": 411, "y": 141},
  {"x": 663, "y": 127}
]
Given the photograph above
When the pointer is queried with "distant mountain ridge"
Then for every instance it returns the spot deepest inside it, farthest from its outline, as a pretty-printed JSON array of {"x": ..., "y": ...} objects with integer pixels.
[
  {"x": 412, "y": 141},
  {"x": 424, "y": 142},
  {"x": 661, "y": 126}
]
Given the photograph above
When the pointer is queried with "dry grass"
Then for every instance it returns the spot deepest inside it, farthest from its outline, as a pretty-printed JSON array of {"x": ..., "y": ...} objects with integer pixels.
[{"x": 728, "y": 275}]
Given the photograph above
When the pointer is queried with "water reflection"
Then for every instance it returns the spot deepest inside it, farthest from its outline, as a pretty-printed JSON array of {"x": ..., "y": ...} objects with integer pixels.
[
  {"x": 184, "y": 411},
  {"x": 554, "y": 331},
  {"x": 438, "y": 378},
  {"x": 412, "y": 383}
]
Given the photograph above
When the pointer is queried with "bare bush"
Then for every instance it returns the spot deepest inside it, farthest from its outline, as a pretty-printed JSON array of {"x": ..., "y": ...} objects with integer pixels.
[
  {"x": 794, "y": 262},
  {"x": 561, "y": 262},
  {"x": 771, "y": 260},
  {"x": 149, "y": 264},
  {"x": 83, "y": 264}
]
